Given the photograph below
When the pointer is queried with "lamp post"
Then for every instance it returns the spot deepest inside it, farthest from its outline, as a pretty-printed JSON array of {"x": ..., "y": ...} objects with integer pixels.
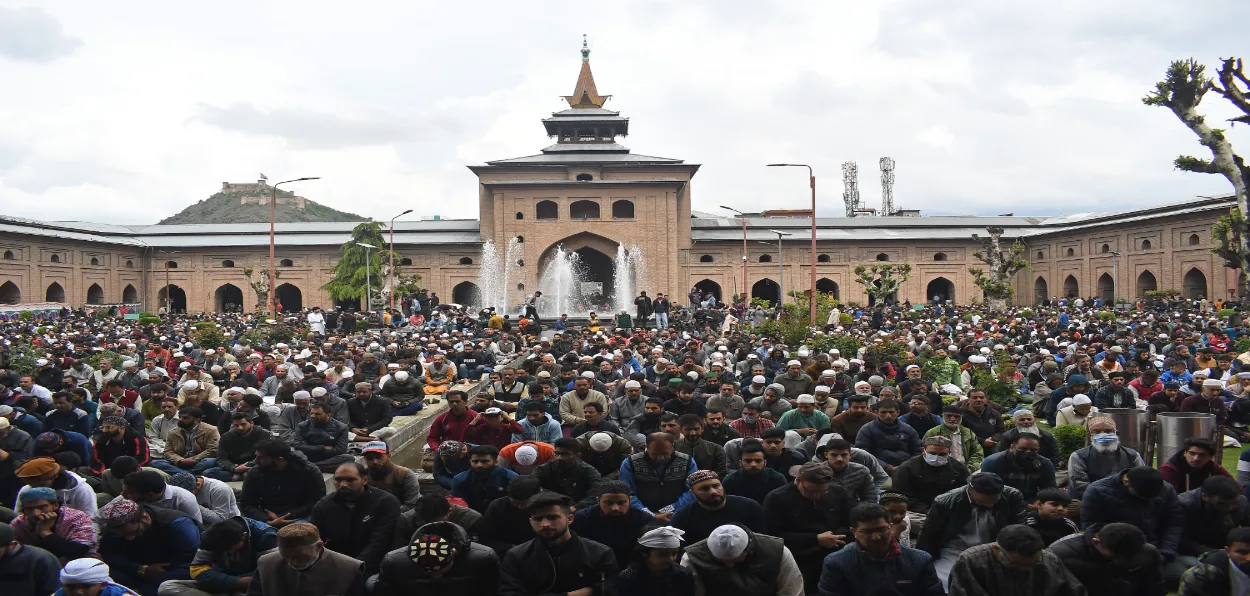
[
  {"x": 781, "y": 264},
  {"x": 392, "y": 271},
  {"x": 368, "y": 282},
  {"x": 169, "y": 302},
  {"x": 811, "y": 175},
  {"x": 273, "y": 213},
  {"x": 743, "y": 216},
  {"x": 1115, "y": 276}
]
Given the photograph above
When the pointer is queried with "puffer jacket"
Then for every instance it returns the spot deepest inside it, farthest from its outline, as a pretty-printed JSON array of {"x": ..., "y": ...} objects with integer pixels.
[
  {"x": 1108, "y": 500},
  {"x": 1206, "y": 530},
  {"x": 952, "y": 511},
  {"x": 795, "y": 385},
  {"x": 852, "y": 571},
  {"x": 474, "y": 573},
  {"x": 530, "y": 569},
  {"x": 893, "y": 444},
  {"x": 1140, "y": 578}
]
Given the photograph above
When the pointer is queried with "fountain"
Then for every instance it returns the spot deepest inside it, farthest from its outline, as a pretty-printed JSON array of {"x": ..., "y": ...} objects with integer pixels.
[
  {"x": 563, "y": 280},
  {"x": 560, "y": 284},
  {"x": 628, "y": 269},
  {"x": 498, "y": 273}
]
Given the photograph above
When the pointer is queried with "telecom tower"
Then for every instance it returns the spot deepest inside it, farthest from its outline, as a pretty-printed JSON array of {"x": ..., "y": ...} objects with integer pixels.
[
  {"x": 887, "y": 186},
  {"x": 850, "y": 184}
]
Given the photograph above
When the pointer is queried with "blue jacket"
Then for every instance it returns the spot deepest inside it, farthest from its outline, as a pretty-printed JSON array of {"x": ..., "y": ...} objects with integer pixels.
[
  {"x": 445, "y": 473},
  {"x": 1059, "y": 394},
  {"x": 545, "y": 433},
  {"x": 74, "y": 420},
  {"x": 850, "y": 572},
  {"x": 479, "y": 490},
  {"x": 1160, "y": 518},
  {"x": 76, "y": 442},
  {"x": 892, "y": 444},
  {"x": 220, "y": 571}
]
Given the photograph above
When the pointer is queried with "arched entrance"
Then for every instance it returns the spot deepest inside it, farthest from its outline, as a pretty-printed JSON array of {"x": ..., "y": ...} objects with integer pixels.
[
  {"x": 825, "y": 285},
  {"x": 228, "y": 298},
  {"x": 708, "y": 286},
  {"x": 890, "y": 299},
  {"x": 95, "y": 294},
  {"x": 179, "y": 298},
  {"x": 55, "y": 293},
  {"x": 1146, "y": 282},
  {"x": 1070, "y": 288},
  {"x": 10, "y": 293},
  {"x": 1195, "y": 284},
  {"x": 130, "y": 295},
  {"x": 940, "y": 290},
  {"x": 290, "y": 298},
  {"x": 467, "y": 293},
  {"x": 766, "y": 289},
  {"x": 579, "y": 274},
  {"x": 1040, "y": 291},
  {"x": 1106, "y": 288}
]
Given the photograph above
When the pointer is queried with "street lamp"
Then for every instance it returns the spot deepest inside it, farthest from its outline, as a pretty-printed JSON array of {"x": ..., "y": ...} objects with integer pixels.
[
  {"x": 811, "y": 175},
  {"x": 273, "y": 213},
  {"x": 781, "y": 264},
  {"x": 743, "y": 216},
  {"x": 392, "y": 271},
  {"x": 1115, "y": 275},
  {"x": 368, "y": 282},
  {"x": 169, "y": 300}
]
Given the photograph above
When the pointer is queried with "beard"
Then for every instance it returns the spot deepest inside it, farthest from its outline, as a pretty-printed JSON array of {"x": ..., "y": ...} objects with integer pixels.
[
  {"x": 1032, "y": 430},
  {"x": 713, "y": 500},
  {"x": 1107, "y": 448}
]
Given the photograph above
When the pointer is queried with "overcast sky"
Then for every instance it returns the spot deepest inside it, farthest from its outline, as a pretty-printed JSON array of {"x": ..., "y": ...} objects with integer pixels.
[{"x": 128, "y": 112}]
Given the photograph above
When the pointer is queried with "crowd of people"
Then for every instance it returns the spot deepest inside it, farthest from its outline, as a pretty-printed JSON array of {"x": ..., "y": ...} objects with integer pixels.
[{"x": 894, "y": 450}]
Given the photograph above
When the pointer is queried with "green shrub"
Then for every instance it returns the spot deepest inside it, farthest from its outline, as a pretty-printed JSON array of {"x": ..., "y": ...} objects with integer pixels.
[
  {"x": 117, "y": 359},
  {"x": 846, "y": 318},
  {"x": 949, "y": 399},
  {"x": 1226, "y": 312},
  {"x": 26, "y": 315},
  {"x": 1242, "y": 345},
  {"x": 149, "y": 320},
  {"x": 144, "y": 313},
  {"x": 204, "y": 325},
  {"x": 1070, "y": 438},
  {"x": 100, "y": 315},
  {"x": 362, "y": 325},
  {"x": 279, "y": 333},
  {"x": 1026, "y": 313},
  {"x": 1106, "y": 316},
  {"x": 209, "y": 337}
]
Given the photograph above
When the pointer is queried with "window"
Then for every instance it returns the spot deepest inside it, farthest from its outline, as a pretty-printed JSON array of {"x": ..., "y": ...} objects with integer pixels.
[
  {"x": 520, "y": 287},
  {"x": 1071, "y": 252},
  {"x": 883, "y": 257},
  {"x": 8, "y": 255},
  {"x": 286, "y": 263},
  {"x": 55, "y": 258},
  {"x": 404, "y": 262},
  {"x": 939, "y": 256},
  {"x": 766, "y": 258},
  {"x": 130, "y": 264},
  {"x": 227, "y": 263},
  {"x": 95, "y": 262},
  {"x": 584, "y": 210},
  {"x": 171, "y": 264},
  {"x": 585, "y": 177},
  {"x": 706, "y": 259},
  {"x": 466, "y": 261},
  {"x": 520, "y": 215},
  {"x": 622, "y": 209},
  {"x": 1106, "y": 248},
  {"x": 547, "y": 210},
  {"x": 822, "y": 258},
  {"x": 1145, "y": 245},
  {"x": 1194, "y": 240},
  {"x": 1040, "y": 255},
  {"x": 520, "y": 239}
]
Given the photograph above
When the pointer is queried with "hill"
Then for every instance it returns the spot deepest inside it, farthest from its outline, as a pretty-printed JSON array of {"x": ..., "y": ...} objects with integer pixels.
[{"x": 249, "y": 203}]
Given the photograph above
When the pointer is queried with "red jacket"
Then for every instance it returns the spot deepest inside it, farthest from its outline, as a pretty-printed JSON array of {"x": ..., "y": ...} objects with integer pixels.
[
  {"x": 128, "y": 398},
  {"x": 1176, "y": 471},
  {"x": 480, "y": 433},
  {"x": 447, "y": 427}
]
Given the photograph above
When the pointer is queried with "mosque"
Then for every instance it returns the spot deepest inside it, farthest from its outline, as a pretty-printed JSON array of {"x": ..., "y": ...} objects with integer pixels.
[{"x": 590, "y": 196}]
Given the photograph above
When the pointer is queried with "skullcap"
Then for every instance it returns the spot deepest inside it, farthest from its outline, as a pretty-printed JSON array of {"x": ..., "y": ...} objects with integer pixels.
[
  {"x": 48, "y": 442},
  {"x": 632, "y": 384},
  {"x": 526, "y": 455},
  {"x": 600, "y": 442},
  {"x": 119, "y": 511},
  {"x": 1081, "y": 400},
  {"x": 1213, "y": 383},
  {"x": 449, "y": 448},
  {"x": 700, "y": 476},
  {"x": 939, "y": 441},
  {"x": 42, "y": 493},
  {"x": 805, "y": 398},
  {"x": 115, "y": 421},
  {"x": 300, "y": 395},
  {"x": 727, "y": 542},
  {"x": 431, "y": 552},
  {"x": 662, "y": 537},
  {"x": 86, "y": 571},
  {"x": 183, "y": 480},
  {"x": 793, "y": 363}
]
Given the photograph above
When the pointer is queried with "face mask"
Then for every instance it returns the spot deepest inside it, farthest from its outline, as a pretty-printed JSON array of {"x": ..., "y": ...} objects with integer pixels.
[
  {"x": 1026, "y": 456},
  {"x": 936, "y": 461},
  {"x": 1105, "y": 439}
]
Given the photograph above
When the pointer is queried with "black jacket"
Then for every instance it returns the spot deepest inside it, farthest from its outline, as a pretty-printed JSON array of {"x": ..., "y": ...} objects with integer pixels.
[
  {"x": 1101, "y": 577},
  {"x": 797, "y": 520},
  {"x": 534, "y": 568},
  {"x": 579, "y": 482},
  {"x": 370, "y": 415},
  {"x": 921, "y": 483},
  {"x": 503, "y": 526},
  {"x": 617, "y": 533},
  {"x": 1206, "y": 530},
  {"x": 294, "y": 490},
  {"x": 952, "y": 511},
  {"x": 361, "y": 532},
  {"x": 1161, "y": 518},
  {"x": 475, "y": 571}
]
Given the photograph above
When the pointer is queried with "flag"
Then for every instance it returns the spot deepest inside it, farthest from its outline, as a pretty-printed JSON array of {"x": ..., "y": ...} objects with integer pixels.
[{"x": 264, "y": 177}]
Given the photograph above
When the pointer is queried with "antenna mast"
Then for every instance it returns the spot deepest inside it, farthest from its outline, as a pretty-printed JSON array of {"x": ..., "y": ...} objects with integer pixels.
[
  {"x": 850, "y": 184},
  {"x": 887, "y": 186}
]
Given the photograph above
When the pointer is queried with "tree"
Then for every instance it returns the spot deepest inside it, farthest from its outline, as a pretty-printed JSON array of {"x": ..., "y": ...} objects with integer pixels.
[
  {"x": 881, "y": 282},
  {"x": 350, "y": 273},
  {"x": 260, "y": 284},
  {"x": 1003, "y": 265},
  {"x": 1181, "y": 91}
]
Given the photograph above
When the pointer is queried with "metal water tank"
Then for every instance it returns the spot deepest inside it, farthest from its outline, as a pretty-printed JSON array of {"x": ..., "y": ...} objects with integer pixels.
[
  {"x": 1131, "y": 424},
  {"x": 1176, "y": 427}
]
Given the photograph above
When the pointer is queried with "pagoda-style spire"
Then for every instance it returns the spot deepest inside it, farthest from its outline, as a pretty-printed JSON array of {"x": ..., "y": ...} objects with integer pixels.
[{"x": 585, "y": 95}]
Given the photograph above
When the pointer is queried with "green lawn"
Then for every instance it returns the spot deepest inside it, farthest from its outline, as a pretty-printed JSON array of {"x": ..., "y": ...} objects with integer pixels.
[{"x": 1231, "y": 456}]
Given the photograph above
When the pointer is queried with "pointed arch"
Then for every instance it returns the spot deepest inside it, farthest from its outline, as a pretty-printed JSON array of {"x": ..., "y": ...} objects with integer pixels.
[
  {"x": 1194, "y": 284},
  {"x": 177, "y": 298},
  {"x": 10, "y": 293},
  {"x": 1146, "y": 282},
  {"x": 940, "y": 290},
  {"x": 290, "y": 297},
  {"x": 1106, "y": 288},
  {"x": 228, "y": 298},
  {"x": 825, "y": 285},
  {"x": 55, "y": 293},
  {"x": 130, "y": 295},
  {"x": 1071, "y": 289},
  {"x": 766, "y": 289},
  {"x": 466, "y": 293},
  {"x": 708, "y": 286},
  {"x": 1041, "y": 290},
  {"x": 95, "y": 294}
]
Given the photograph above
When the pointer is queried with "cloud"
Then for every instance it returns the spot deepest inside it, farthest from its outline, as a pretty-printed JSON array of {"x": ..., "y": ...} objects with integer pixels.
[
  {"x": 32, "y": 35},
  {"x": 319, "y": 130}
]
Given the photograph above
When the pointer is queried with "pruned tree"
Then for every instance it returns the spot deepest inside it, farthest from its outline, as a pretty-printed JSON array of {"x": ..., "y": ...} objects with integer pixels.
[
  {"x": 260, "y": 284},
  {"x": 350, "y": 277},
  {"x": 882, "y": 281},
  {"x": 1181, "y": 91},
  {"x": 1002, "y": 264}
]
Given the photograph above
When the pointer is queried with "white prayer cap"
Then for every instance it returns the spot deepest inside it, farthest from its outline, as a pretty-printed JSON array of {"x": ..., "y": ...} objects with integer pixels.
[
  {"x": 662, "y": 537},
  {"x": 632, "y": 384},
  {"x": 401, "y": 376},
  {"x": 985, "y": 350},
  {"x": 302, "y": 395},
  {"x": 828, "y": 372},
  {"x": 318, "y": 391},
  {"x": 975, "y": 359},
  {"x": 191, "y": 385},
  {"x": 1081, "y": 400},
  {"x": 600, "y": 442},
  {"x": 128, "y": 364},
  {"x": 85, "y": 571},
  {"x": 728, "y": 542},
  {"x": 805, "y": 398},
  {"x": 178, "y": 354},
  {"x": 793, "y": 363},
  {"x": 1213, "y": 383},
  {"x": 758, "y": 379},
  {"x": 184, "y": 366},
  {"x": 41, "y": 362},
  {"x": 393, "y": 366},
  {"x": 589, "y": 375},
  {"x": 821, "y": 389},
  {"x": 526, "y": 455}
]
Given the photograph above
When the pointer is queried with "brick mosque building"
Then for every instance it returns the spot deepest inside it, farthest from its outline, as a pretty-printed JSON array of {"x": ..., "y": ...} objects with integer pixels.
[{"x": 588, "y": 194}]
